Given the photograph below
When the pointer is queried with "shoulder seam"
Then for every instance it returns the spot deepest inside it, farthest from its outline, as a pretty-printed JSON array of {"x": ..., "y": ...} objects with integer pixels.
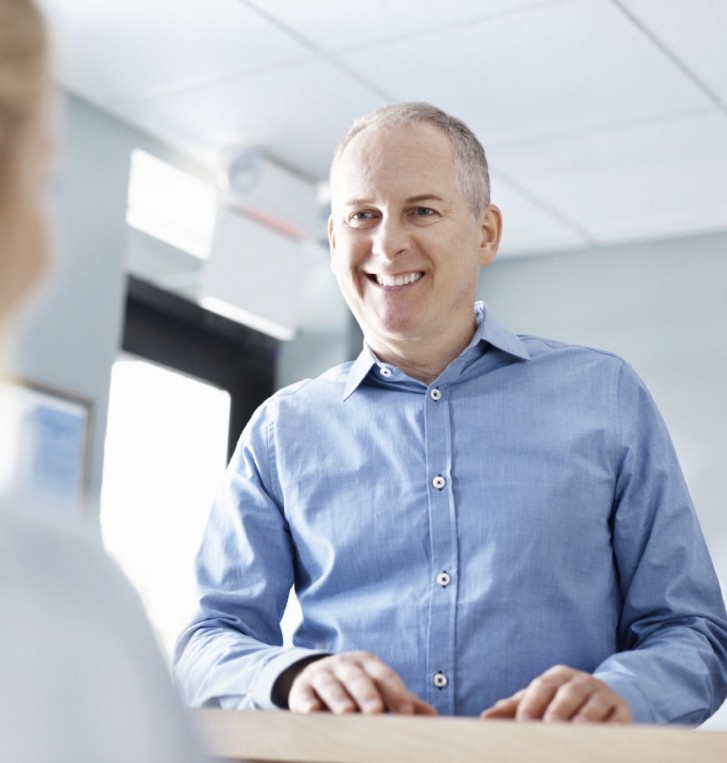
[
  {"x": 291, "y": 389},
  {"x": 557, "y": 344}
]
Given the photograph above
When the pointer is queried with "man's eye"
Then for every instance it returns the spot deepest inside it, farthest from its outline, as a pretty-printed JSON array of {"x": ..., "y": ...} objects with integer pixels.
[
  {"x": 361, "y": 216},
  {"x": 423, "y": 212}
]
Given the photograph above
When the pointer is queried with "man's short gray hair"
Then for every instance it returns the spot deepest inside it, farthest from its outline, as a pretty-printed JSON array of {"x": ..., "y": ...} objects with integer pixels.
[{"x": 471, "y": 172}]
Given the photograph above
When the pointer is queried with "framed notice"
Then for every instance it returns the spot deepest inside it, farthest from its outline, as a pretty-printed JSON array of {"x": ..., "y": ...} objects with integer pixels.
[{"x": 47, "y": 452}]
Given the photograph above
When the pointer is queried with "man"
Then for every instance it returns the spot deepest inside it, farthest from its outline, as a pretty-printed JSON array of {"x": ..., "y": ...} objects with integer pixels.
[{"x": 474, "y": 522}]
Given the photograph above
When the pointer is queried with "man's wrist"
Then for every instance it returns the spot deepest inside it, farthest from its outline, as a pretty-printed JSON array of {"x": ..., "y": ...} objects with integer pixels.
[{"x": 284, "y": 682}]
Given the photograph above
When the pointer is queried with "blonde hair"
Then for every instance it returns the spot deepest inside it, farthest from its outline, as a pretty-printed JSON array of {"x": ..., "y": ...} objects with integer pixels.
[
  {"x": 470, "y": 163},
  {"x": 23, "y": 77}
]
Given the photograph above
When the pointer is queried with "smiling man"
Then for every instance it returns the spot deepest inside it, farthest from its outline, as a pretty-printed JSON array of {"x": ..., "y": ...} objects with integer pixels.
[
  {"x": 475, "y": 523},
  {"x": 407, "y": 247}
]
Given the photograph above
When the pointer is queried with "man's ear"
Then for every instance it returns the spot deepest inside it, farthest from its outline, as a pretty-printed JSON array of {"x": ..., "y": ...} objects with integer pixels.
[
  {"x": 490, "y": 222},
  {"x": 331, "y": 239}
]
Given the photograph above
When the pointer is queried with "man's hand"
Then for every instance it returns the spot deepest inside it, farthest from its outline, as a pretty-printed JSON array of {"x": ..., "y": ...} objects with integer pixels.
[
  {"x": 353, "y": 682},
  {"x": 563, "y": 694}
]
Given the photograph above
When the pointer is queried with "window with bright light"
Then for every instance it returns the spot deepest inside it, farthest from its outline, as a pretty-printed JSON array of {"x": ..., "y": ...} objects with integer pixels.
[
  {"x": 166, "y": 451},
  {"x": 170, "y": 204}
]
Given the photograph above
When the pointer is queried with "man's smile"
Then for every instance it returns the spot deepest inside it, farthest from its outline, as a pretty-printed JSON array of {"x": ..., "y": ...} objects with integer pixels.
[{"x": 402, "y": 279}]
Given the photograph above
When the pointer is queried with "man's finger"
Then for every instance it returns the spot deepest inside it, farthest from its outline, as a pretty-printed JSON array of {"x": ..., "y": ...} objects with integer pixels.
[
  {"x": 622, "y": 714},
  {"x": 302, "y": 699},
  {"x": 604, "y": 707},
  {"x": 504, "y": 708},
  {"x": 316, "y": 688},
  {"x": 540, "y": 693},
  {"x": 564, "y": 694},
  {"x": 423, "y": 708},
  {"x": 574, "y": 695},
  {"x": 353, "y": 682},
  {"x": 360, "y": 687},
  {"x": 586, "y": 699},
  {"x": 397, "y": 698}
]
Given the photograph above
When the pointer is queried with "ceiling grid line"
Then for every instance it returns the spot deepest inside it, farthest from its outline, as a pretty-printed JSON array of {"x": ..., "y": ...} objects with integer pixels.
[
  {"x": 200, "y": 83},
  {"x": 671, "y": 56},
  {"x": 550, "y": 210},
  {"x": 465, "y": 23},
  {"x": 605, "y": 128},
  {"x": 332, "y": 60},
  {"x": 600, "y": 116}
]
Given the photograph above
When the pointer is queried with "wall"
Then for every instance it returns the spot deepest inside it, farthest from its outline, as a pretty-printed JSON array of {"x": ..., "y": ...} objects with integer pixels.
[
  {"x": 324, "y": 330},
  {"x": 70, "y": 337}
]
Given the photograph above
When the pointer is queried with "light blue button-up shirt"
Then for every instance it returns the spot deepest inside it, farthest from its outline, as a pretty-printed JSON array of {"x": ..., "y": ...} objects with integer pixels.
[{"x": 525, "y": 509}]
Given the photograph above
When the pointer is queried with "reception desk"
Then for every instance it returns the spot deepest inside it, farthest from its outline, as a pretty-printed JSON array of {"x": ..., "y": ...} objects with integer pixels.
[{"x": 323, "y": 738}]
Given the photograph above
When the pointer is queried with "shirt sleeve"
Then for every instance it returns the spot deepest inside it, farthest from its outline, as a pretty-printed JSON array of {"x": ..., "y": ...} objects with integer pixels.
[
  {"x": 232, "y": 652},
  {"x": 673, "y": 627}
]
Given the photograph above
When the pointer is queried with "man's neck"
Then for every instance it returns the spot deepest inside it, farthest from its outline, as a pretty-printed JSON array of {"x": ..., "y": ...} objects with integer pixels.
[{"x": 423, "y": 359}]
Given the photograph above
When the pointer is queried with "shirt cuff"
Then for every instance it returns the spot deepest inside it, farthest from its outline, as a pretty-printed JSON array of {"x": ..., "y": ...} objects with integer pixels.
[
  {"x": 262, "y": 689},
  {"x": 641, "y": 710}
]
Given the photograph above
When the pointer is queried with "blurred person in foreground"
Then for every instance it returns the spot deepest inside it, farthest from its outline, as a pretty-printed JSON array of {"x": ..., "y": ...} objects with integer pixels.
[
  {"x": 82, "y": 678},
  {"x": 475, "y": 522}
]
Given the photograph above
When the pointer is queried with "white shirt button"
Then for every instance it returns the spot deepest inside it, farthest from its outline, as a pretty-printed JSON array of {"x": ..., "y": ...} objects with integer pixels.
[
  {"x": 385, "y": 371},
  {"x": 444, "y": 579},
  {"x": 439, "y": 482},
  {"x": 435, "y": 394},
  {"x": 439, "y": 680}
]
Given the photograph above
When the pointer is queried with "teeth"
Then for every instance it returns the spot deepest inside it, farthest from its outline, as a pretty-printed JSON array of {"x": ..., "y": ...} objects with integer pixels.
[{"x": 398, "y": 280}]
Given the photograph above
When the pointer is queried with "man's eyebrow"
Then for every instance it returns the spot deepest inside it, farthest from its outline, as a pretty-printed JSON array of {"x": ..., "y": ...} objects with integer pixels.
[{"x": 424, "y": 197}]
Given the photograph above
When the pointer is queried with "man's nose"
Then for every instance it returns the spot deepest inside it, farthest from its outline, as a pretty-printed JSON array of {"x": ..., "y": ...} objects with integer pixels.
[{"x": 390, "y": 239}]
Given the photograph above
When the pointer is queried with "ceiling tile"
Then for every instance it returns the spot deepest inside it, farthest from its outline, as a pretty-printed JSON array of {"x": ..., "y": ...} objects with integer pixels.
[
  {"x": 527, "y": 227},
  {"x": 295, "y": 115},
  {"x": 589, "y": 125},
  {"x": 695, "y": 32},
  {"x": 332, "y": 25},
  {"x": 651, "y": 181},
  {"x": 562, "y": 68},
  {"x": 108, "y": 50}
]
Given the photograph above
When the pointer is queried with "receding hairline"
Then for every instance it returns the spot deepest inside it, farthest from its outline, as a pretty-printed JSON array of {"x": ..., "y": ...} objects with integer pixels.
[
  {"x": 385, "y": 130},
  {"x": 468, "y": 154}
]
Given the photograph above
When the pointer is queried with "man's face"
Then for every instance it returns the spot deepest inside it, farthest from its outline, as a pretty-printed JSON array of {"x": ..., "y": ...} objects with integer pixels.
[{"x": 405, "y": 248}]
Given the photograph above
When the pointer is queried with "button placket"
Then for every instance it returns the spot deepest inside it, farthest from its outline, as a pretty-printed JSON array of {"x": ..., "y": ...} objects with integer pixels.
[{"x": 442, "y": 517}]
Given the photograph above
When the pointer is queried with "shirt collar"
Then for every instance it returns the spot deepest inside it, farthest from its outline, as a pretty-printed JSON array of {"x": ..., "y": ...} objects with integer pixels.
[{"x": 489, "y": 330}]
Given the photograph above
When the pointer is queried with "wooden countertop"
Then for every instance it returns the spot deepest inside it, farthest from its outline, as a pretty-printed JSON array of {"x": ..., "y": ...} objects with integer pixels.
[{"x": 324, "y": 738}]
